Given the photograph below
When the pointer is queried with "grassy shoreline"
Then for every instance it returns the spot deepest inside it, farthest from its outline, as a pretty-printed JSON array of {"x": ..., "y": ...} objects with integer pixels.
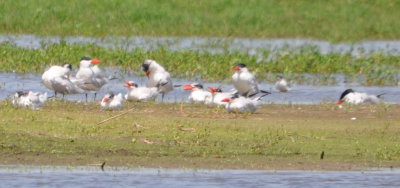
[
  {"x": 377, "y": 69},
  {"x": 192, "y": 136},
  {"x": 328, "y": 20}
]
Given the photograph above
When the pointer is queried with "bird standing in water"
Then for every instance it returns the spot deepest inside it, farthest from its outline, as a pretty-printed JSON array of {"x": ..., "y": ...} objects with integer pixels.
[
  {"x": 282, "y": 85},
  {"x": 89, "y": 77},
  {"x": 57, "y": 78}
]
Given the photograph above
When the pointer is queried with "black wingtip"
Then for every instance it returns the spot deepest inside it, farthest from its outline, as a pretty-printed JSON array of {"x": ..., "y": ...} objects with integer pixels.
[
  {"x": 380, "y": 95},
  {"x": 266, "y": 92}
]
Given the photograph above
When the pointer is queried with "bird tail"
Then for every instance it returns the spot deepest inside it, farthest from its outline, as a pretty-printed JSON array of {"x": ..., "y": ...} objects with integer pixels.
[
  {"x": 43, "y": 97},
  {"x": 111, "y": 78},
  {"x": 261, "y": 97}
]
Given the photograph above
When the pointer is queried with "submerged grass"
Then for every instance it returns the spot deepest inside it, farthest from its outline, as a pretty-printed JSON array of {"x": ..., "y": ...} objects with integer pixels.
[
  {"x": 343, "y": 20},
  {"x": 184, "y": 135},
  {"x": 377, "y": 69}
]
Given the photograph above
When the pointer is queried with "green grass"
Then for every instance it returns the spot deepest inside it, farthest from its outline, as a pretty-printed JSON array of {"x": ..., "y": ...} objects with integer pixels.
[
  {"x": 184, "y": 135},
  {"x": 378, "y": 69},
  {"x": 341, "y": 20}
]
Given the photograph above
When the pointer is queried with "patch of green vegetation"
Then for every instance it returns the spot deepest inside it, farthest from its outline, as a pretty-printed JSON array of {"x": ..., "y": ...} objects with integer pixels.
[
  {"x": 343, "y": 20},
  {"x": 378, "y": 68},
  {"x": 280, "y": 134}
]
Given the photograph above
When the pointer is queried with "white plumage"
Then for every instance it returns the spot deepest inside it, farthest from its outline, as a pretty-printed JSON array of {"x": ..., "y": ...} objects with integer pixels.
[
  {"x": 100, "y": 77},
  {"x": 89, "y": 76},
  {"x": 112, "y": 102},
  {"x": 57, "y": 78},
  {"x": 240, "y": 104},
  {"x": 198, "y": 94},
  {"x": 351, "y": 97},
  {"x": 244, "y": 81},
  {"x": 34, "y": 100},
  {"x": 158, "y": 76},
  {"x": 282, "y": 85},
  {"x": 86, "y": 78},
  {"x": 217, "y": 96},
  {"x": 140, "y": 93}
]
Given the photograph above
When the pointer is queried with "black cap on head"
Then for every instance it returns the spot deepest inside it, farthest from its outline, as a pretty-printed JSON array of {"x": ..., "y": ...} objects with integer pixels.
[
  {"x": 110, "y": 95},
  {"x": 235, "y": 95},
  {"x": 197, "y": 85},
  {"x": 20, "y": 93},
  {"x": 145, "y": 66},
  {"x": 347, "y": 91},
  {"x": 86, "y": 58},
  {"x": 219, "y": 90},
  {"x": 241, "y": 65},
  {"x": 67, "y": 65}
]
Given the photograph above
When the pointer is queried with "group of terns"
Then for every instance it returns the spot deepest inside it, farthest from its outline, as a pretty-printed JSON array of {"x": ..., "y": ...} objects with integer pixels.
[{"x": 245, "y": 97}]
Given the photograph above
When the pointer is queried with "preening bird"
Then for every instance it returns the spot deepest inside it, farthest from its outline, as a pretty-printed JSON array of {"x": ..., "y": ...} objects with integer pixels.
[
  {"x": 57, "y": 78},
  {"x": 158, "y": 77}
]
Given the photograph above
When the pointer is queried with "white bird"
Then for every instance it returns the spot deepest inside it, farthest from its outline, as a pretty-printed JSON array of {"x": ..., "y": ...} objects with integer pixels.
[
  {"x": 34, "y": 100},
  {"x": 137, "y": 93},
  {"x": 244, "y": 81},
  {"x": 158, "y": 77},
  {"x": 217, "y": 96},
  {"x": 112, "y": 102},
  {"x": 352, "y": 97},
  {"x": 198, "y": 94},
  {"x": 89, "y": 78},
  {"x": 57, "y": 78},
  {"x": 100, "y": 77},
  {"x": 240, "y": 104},
  {"x": 282, "y": 85}
]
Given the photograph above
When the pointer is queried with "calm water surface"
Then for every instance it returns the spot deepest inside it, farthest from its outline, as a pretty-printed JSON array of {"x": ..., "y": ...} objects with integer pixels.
[
  {"x": 34, "y": 176},
  {"x": 300, "y": 94}
]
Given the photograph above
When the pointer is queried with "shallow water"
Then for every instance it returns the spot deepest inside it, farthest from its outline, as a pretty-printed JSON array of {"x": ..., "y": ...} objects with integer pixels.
[
  {"x": 33, "y": 176},
  {"x": 212, "y": 44},
  {"x": 300, "y": 94}
]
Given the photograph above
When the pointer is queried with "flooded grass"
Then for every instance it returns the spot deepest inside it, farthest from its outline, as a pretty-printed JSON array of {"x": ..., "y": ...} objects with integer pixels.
[
  {"x": 185, "y": 135},
  {"x": 330, "y": 20},
  {"x": 376, "y": 69}
]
